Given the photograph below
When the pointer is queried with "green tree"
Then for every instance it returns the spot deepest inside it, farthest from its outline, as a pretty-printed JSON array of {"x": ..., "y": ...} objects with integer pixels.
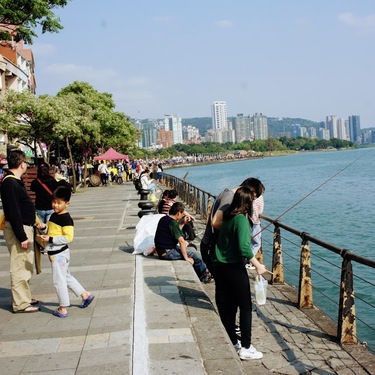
[
  {"x": 29, "y": 120},
  {"x": 115, "y": 129},
  {"x": 101, "y": 126},
  {"x": 19, "y": 18}
]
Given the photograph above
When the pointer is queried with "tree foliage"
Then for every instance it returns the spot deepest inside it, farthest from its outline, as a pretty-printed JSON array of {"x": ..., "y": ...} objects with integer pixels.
[
  {"x": 19, "y": 18},
  {"x": 30, "y": 120},
  {"x": 102, "y": 126}
]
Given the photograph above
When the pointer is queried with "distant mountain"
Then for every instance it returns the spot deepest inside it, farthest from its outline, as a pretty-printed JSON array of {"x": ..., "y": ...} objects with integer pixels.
[{"x": 276, "y": 125}]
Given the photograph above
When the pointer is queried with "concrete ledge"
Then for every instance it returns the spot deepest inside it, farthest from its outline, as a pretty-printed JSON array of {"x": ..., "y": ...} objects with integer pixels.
[{"x": 217, "y": 351}]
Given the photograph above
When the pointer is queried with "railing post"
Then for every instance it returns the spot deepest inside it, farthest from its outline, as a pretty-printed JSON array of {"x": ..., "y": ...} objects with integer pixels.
[
  {"x": 347, "y": 326},
  {"x": 277, "y": 258},
  {"x": 305, "y": 293}
]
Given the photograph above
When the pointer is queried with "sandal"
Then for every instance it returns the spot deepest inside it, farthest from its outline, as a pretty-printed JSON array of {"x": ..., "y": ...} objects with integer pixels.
[
  {"x": 87, "y": 301},
  {"x": 28, "y": 309},
  {"x": 59, "y": 314}
]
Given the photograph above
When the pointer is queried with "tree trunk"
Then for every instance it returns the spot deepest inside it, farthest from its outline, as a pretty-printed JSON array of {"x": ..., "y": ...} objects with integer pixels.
[{"x": 71, "y": 163}]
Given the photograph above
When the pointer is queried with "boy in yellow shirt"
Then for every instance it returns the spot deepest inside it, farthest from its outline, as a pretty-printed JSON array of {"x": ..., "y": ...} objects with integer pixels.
[{"x": 57, "y": 234}]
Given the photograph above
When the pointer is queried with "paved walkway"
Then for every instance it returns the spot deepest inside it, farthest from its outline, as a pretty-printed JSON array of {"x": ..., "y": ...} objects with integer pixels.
[{"x": 150, "y": 316}]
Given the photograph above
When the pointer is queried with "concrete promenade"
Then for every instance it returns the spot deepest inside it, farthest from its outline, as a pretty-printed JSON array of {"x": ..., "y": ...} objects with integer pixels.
[{"x": 151, "y": 317}]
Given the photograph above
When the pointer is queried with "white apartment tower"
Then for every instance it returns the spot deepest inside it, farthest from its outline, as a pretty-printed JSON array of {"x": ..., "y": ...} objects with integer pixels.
[
  {"x": 174, "y": 123},
  {"x": 219, "y": 115}
]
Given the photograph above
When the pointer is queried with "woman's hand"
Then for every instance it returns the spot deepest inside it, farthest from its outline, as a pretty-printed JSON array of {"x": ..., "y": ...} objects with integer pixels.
[{"x": 261, "y": 268}]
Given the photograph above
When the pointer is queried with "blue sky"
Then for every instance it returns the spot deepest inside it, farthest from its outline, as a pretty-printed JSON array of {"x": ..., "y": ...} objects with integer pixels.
[{"x": 283, "y": 58}]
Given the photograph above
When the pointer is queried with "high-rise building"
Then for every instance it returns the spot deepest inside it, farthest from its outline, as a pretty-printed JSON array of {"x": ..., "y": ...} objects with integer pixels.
[
  {"x": 355, "y": 129},
  {"x": 341, "y": 130},
  {"x": 219, "y": 115},
  {"x": 323, "y": 133},
  {"x": 149, "y": 134},
  {"x": 331, "y": 125},
  {"x": 243, "y": 128},
  {"x": 260, "y": 126},
  {"x": 173, "y": 123}
]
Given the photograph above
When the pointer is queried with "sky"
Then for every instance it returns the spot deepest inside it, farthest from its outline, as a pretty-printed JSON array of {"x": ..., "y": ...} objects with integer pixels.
[{"x": 290, "y": 58}]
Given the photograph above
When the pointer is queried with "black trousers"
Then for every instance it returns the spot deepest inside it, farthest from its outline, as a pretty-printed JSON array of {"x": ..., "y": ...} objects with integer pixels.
[
  {"x": 205, "y": 249},
  {"x": 233, "y": 293}
]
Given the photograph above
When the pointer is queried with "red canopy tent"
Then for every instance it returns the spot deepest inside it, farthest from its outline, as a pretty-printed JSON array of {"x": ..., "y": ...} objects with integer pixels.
[{"x": 111, "y": 154}]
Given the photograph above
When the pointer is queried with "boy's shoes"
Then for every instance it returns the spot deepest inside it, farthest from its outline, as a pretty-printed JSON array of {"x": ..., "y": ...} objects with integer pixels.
[
  {"x": 250, "y": 353},
  {"x": 59, "y": 314},
  {"x": 87, "y": 301}
]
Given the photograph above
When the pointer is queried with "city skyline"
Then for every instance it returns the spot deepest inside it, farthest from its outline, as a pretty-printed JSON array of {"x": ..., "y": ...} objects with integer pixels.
[{"x": 289, "y": 59}]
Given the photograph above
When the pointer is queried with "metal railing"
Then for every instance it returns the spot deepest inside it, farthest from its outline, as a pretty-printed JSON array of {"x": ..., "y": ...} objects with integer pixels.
[
  {"x": 198, "y": 200},
  {"x": 299, "y": 258},
  {"x": 346, "y": 316}
]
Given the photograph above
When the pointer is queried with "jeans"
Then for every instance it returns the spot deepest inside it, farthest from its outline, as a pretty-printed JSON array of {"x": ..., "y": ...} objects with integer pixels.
[
  {"x": 152, "y": 188},
  {"x": 44, "y": 215},
  {"x": 175, "y": 254},
  {"x": 256, "y": 239},
  {"x": 232, "y": 291}
]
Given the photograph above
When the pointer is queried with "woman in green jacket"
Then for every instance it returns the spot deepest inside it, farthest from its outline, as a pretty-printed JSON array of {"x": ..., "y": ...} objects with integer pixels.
[{"x": 231, "y": 278}]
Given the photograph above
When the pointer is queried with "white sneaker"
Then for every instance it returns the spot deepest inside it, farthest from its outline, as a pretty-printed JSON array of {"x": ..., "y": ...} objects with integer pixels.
[
  {"x": 250, "y": 353},
  {"x": 237, "y": 346}
]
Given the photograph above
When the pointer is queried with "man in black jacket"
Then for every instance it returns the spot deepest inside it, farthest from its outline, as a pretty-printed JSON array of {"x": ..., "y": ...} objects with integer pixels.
[{"x": 19, "y": 214}]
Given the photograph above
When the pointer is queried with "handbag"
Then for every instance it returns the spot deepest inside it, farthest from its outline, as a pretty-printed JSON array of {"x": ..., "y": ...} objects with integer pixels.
[{"x": 260, "y": 287}]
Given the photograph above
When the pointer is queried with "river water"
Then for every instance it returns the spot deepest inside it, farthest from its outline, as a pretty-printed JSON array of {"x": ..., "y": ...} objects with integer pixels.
[{"x": 330, "y": 195}]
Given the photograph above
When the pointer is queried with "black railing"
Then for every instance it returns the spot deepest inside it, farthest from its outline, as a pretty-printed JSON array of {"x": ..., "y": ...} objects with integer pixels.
[
  {"x": 347, "y": 312},
  {"x": 199, "y": 201}
]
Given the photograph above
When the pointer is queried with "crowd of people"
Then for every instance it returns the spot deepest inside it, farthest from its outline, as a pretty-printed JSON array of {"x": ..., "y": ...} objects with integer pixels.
[{"x": 230, "y": 242}]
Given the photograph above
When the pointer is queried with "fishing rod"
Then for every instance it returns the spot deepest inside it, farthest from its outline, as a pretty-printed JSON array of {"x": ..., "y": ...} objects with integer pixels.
[{"x": 311, "y": 192}]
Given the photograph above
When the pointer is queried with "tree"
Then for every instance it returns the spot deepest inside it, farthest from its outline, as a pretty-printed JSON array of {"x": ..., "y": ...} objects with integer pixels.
[
  {"x": 115, "y": 129},
  {"x": 19, "y": 18},
  {"x": 100, "y": 125},
  {"x": 30, "y": 120}
]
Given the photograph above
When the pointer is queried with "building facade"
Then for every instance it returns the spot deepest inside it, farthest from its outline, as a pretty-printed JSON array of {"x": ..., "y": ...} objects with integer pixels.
[
  {"x": 219, "y": 115},
  {"x": 173, "y": 123},
  {"x": 260, "y": 126},
  {"x": 355, "y": 129},
  {"x": 16, "y": 73},
  {"x": 243, "y": 128}
]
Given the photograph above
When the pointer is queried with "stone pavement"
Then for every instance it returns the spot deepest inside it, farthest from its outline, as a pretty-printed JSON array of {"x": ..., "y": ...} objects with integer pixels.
[{"x": 151, "y": 316}]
